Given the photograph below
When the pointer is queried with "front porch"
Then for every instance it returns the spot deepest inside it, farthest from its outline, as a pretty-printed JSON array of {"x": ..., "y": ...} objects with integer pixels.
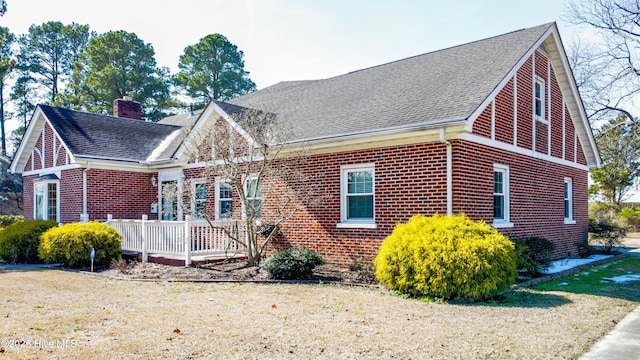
[{"x": 174, "y": 242}]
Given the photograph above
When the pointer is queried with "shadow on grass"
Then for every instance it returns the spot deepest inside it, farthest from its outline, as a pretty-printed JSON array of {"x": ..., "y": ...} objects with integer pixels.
[
  {"x": 593, "y": 281},
  {"x": 523, "y": 298}
]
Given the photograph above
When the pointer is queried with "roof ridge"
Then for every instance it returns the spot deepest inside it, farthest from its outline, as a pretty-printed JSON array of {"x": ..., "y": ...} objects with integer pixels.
[
  {"x": 104, "y": 115},
  {"x": 549, "y": 24}
]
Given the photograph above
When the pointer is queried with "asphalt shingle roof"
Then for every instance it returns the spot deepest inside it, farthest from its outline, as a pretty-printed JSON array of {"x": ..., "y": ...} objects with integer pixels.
[
  {"x": 441, "y": 85},
  {"x": 104, "y": 136}
]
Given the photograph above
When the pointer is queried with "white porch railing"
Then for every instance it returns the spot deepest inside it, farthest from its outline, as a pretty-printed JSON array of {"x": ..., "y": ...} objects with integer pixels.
[{"x": 179, "y": 238}]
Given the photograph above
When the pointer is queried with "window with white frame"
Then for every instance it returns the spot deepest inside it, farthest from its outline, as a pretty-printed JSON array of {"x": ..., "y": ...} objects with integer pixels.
[
  {"x": 568, "y": 200},
  {"x": 253, "y": 191},
  {"x": 539, "y": 96},
  {"x": 198, "y": 198},
  {"x": 224, "y": 199},
  {"x": 46, "y": 200},
  {"x": 357, "y": 193},
  {"x": 501, "y": 196}
]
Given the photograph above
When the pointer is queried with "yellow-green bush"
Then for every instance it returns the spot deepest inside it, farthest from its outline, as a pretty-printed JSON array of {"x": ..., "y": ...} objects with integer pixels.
[
  {"x": 6, "y": 220},
  {"x": 71, "y": 244},
  {"x": 19, "y": 241},
  {"x": 446, "y": 257}
]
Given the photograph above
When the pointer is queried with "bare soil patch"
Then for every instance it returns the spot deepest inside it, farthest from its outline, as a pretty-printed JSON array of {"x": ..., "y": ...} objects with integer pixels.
[
  {"x": 232, "y": 270},
  {"x": 57, "y": 314}
]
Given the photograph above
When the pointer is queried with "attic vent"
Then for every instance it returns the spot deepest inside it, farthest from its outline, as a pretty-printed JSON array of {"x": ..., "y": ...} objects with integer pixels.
[{"x": 542, "y": 48}]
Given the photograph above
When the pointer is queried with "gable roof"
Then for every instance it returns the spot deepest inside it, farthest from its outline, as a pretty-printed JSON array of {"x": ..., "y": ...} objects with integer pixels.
[
  {"x": 444, "y": 85},
  {"x": 96, "y": 136}
]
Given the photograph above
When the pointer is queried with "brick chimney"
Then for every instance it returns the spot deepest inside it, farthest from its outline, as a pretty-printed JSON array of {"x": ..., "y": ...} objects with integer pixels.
[{"x": 127, "y": 108}]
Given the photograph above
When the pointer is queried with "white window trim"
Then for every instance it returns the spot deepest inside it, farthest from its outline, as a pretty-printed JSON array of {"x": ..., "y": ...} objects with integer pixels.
[
  {"x": 506, "y": 188},
  {"x": 45, "y": 203},
  {"x": 220, "y": 180},
  {"x": 194, "y": 183},
  {"x": 178, "y": 177},
  {"x": 568, "y": 220},
  {"x": 543, "y": 99},
  {"x": 359, "y": 223},
  {"x": 245, "y": 181}
]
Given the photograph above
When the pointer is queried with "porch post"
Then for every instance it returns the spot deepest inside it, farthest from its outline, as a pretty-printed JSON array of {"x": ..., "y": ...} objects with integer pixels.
[
  {"x": 187, "y": 240},
  {"x": 145, "y": 256}
]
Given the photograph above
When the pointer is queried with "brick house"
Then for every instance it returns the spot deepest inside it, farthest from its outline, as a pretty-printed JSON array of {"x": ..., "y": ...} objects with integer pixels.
[{"x": 494, "y": 128}]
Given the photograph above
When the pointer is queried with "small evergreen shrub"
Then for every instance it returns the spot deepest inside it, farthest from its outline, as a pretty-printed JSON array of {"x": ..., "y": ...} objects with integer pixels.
[
  {"x": 631, "y": 218},
  {"x": 584, "y": 249},
  {"x": 446, "y": 257},
  {"x": 294, "y": 263},
  {"x": 606, "y": 234},
  {"x": 533, "y": 254},
  {"x": 71, "y": 244},
  {"x": 6, "y": 220},
  {"x": 19, "y": 241}
]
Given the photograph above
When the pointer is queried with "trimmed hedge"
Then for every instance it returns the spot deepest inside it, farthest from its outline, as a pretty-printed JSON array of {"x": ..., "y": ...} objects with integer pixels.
[
  {"x": 71, "y": 244},
  {"x": 19, "y": 241},
  {"x": 446, "y": 257},
  {"x": 295, "y": 263}
]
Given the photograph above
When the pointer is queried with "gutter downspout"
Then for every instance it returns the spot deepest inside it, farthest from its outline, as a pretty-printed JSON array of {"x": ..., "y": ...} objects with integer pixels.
[
  {"x": 449, "y": 172},
  {"x": 84, "y": 217}
]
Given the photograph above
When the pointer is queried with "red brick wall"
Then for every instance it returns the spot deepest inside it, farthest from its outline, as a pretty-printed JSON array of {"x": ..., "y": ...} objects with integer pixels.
[
  {"x": 525, "y": 102},
  {"x": 27, "y": 196},
  {"x": 482, "y": 125},
  {"x": 504, "y": 114},
  {"x": 537, "y": 194},
  {"x": 570, "y": 136},
  {"x": 70, "y": 195},
  {"x": 556, "y": 117},
  {"x": 124, "y": 194}
]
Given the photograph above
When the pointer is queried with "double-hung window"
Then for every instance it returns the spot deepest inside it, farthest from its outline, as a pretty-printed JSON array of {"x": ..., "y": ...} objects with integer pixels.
[
  {"x": 357, "y": 194},
  {"x": 501, "y": 196},
  {"x": 568, "y": 201},
  {"x": 47, "y": 199},
  {"x": 539, "y": 103},
  {"x": 224, "y": 199},
  {"x": 199, "y": 198},
  {"x": 253, "y": 189}
]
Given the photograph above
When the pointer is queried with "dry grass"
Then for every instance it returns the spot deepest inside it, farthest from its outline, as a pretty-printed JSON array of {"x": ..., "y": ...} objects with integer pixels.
[{"x": 95, "y": 317}]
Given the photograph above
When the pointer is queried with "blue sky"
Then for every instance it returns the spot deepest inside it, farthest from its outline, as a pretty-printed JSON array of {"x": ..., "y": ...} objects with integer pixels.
[{"x": 298, "y": 39}]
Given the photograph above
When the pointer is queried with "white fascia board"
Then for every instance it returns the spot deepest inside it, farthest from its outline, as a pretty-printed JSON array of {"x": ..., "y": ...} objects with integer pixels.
[
  {"x": 505, "y": 80},
  {"x": 28, "y": 141},
  {"x": 35, "y": 128},
  {"x": 569, "y": 91},
  {"x": 205, "y": 116}
]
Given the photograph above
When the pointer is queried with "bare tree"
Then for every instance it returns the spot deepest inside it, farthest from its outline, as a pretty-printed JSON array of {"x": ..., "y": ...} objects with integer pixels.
[
  {"x": 607, "y": 66},
  {"x": 253, "y": 165}
]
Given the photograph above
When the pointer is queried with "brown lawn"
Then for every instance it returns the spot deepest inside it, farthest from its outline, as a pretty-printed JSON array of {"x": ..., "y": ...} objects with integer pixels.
[{"x": 60, "y": 315}]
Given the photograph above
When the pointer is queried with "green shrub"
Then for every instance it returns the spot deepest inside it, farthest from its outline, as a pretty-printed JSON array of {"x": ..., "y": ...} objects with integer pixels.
[
  {"x": 71, "y": 244},
  {"x": 19, "y": 241},
  {"x": 295, "y": 263},
  {"x": 606, "y": 234},
  {"x": 533, "y": 254},
  {"x": 446, "y": 257},
  {"x": 6, "y": 220},
  {"x": 631, "y": 218},
  {"x": 584, "y": 249}
]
